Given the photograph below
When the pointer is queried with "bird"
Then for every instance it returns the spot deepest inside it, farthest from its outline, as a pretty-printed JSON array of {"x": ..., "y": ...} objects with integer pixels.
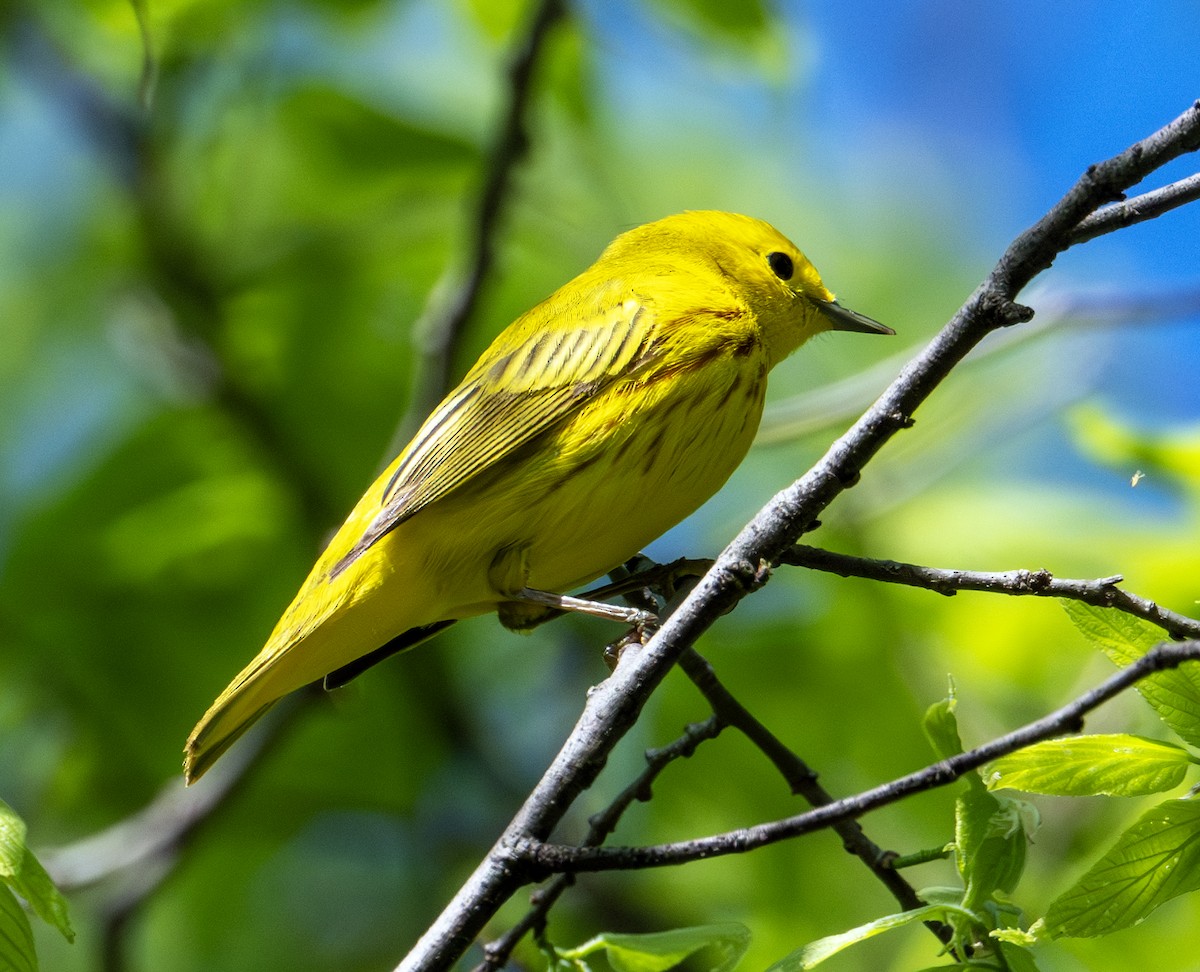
[{"x": 591, "y": 425}]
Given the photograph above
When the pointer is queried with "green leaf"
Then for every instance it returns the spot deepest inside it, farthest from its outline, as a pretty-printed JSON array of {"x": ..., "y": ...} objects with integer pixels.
[
  {"x": 734, "y": 21},
  {"x": 659, "y": 951},
  {"x": 749, "y": 30},
  {"x": 990, "y": 843},
  {"x": 941, "y": 726},
  {"x": 1156, "y": 859},
  {"x": 498, "y": 18},
  {"x": 1121, "y": 636},
  {"x": 22, "y": 872},
  {"x": 343, "y": 138},
  {"x": 1016, "y": 957},
  {"x": 16, "y": 937},
  {"x": 1174, "y": 694},
  {"x": 814, "y": 953},
  {"x": 1098, "y": 765}
]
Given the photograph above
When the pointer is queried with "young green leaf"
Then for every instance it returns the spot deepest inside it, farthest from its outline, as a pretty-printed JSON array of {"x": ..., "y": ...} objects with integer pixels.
[
  {"x": 16, "y": 937},
  {"x": 941, "y": 726},
  {"x": 1016, "y": 958},
  {"x": 1174, "y": 694},
  {"x": 1098, "y": 765},
  {"x": 1155, "y": 860},
  {"x": 659, "y": 951},
  {"x": 814, "y": 953},
  {"x": 989, "y": 845},
  {"x": 21, "y": 871}
]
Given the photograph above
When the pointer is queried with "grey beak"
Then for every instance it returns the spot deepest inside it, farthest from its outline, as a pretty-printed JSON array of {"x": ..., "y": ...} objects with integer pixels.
[{"x": 843, "y": 319}]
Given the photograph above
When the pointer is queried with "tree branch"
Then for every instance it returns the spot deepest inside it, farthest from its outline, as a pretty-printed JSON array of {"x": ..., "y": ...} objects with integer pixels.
[
  {"x": 1102, "y": 592},
  {"x": 542, "y": 858},
  {"x": 728, "y": 712},
  {"x": 1149, "y": 205},
  {"x": 614, "y": 705}
]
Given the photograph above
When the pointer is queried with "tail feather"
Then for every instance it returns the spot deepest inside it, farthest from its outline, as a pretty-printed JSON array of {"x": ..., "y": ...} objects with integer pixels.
[
  {"x": 275, "y": 672},
  {"x": 257, "y": 687},
  {"x": 326, "y": 629}
]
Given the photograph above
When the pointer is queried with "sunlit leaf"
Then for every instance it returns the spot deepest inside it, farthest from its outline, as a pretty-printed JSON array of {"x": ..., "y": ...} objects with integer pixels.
[
  {"x": 1174, "y": 694},
  {"x": 1108, "y": 765},
  {"x": 21, "y": 871},
  {"x": 1156, "y": 859},
  {"x": 498, "y": 18},
  {"x": 660, "y": 951},
  {"x": 731, "y": 20},
  {"x": 749, "y": 30},
  {"x": 1117, "y": 444},
  {"x": 814, "y": 953},
  {"x": 990, "y": 844},
  {"x": 941, "y": 727},
  {"x": 16, "y": 937},
  {"x": 1016, "y": 958}
]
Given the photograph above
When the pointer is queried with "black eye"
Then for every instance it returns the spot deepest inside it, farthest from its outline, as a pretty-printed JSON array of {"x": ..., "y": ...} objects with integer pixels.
[{"x": 781, "y": 264}]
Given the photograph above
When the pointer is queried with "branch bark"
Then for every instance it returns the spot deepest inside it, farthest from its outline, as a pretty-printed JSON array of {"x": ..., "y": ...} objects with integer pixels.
[
  {"x": 614, "y": 705},
  {"x": 1101, "y": 592}
]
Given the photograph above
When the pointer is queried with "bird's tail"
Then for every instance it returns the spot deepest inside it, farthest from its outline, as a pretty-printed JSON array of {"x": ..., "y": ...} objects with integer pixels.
[{"x": 257, "y": 687}]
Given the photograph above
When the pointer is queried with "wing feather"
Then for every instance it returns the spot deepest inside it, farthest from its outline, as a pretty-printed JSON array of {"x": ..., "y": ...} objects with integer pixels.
[{"x": 531, "y": 379}]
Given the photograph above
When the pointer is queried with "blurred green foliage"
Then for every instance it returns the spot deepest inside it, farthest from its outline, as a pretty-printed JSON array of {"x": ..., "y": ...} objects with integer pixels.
[{"x": 208, "y": 333}]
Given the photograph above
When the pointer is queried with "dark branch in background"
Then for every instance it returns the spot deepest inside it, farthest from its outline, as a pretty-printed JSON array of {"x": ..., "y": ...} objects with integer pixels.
[
  {"x": 537, "y": 858},
  {"x": 1102, "y": 592},
  {"x": 613, "y": 706},
  {"x": 442, "y": 329}
]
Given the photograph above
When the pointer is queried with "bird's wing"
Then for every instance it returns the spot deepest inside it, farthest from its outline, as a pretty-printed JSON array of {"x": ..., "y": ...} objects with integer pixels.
[{"x": 516, "y": 391}]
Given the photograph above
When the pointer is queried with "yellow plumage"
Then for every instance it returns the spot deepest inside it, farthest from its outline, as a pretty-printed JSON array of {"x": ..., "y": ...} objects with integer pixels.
[{"x": 593, "y": 423}]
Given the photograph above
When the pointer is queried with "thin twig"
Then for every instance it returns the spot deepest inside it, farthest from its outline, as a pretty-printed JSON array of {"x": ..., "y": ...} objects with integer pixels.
[
  {"x": 537, "y": 859},
  {"x": 1101, "y": 592},
  {"x": 1148, "y": 205},
  {"x": 614, "y": 705}
]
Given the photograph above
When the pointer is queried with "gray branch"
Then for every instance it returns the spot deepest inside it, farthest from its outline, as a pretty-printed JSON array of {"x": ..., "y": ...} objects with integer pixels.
[
  {"x": 1101, "y": 592},
  {"x": 600, "y": 826},
  {"x": 1149, "y": 205}
]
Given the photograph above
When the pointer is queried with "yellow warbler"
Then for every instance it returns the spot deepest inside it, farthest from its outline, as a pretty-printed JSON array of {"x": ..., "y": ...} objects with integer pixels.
[{"x": 593, "y": 423}]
